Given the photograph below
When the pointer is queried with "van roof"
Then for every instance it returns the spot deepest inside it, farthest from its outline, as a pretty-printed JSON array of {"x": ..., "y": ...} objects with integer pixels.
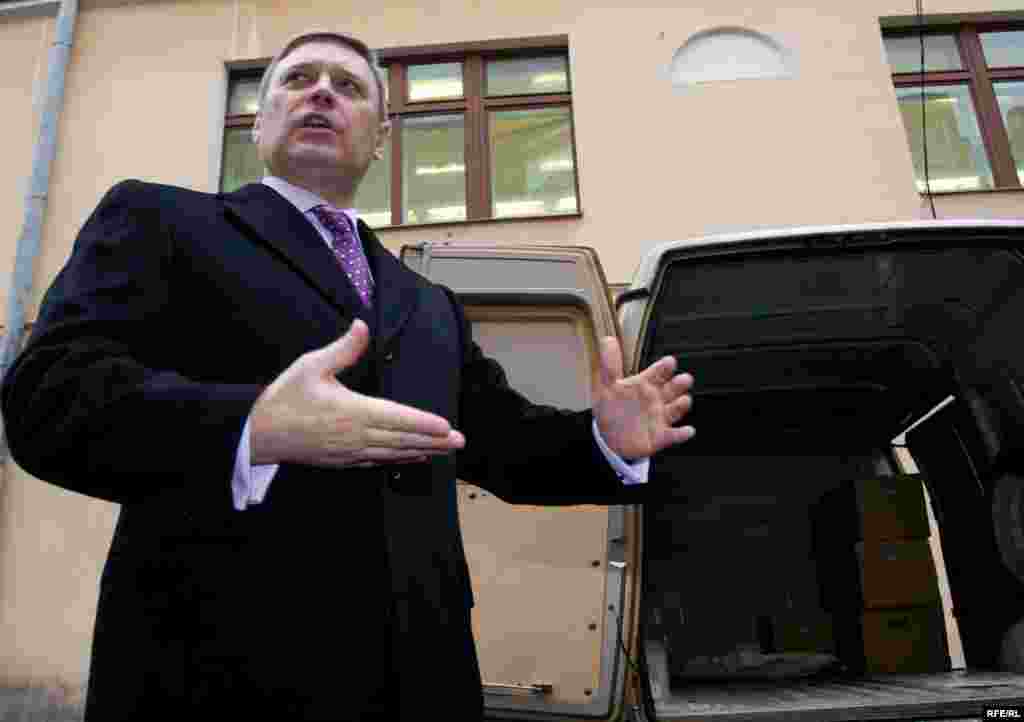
[{"x": 827, "y": 235}]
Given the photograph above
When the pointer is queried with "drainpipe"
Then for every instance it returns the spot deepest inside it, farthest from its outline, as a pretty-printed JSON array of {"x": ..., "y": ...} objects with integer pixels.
[{"x": 39, "y": 183}]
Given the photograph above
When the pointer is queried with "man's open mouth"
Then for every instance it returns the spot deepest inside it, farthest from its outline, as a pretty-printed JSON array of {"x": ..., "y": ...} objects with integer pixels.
[{"x": 315, "y": 120}]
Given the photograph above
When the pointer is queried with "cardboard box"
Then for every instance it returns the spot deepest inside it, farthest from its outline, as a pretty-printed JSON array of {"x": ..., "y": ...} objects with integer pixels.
[
  {"x": 894, "y": 641},
  {"x": 897, "y": 574},
  {"x": 878, "y": 575},
  {"x": 886, "y": 508}
]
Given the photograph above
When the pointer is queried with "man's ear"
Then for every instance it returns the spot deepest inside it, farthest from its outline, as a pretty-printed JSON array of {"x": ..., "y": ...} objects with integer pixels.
[{"x": 383, "y": 137}]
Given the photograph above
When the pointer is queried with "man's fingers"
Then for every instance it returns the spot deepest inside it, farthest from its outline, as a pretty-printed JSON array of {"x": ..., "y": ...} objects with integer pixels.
[
  {"x": 374, "y": 455},
  {"x": 413, "y": 460},
  {"x": 611, "y": 361},
  {"x": 678, "y": 409},
  {"x": 674, "y": 435},
  {"x": 683, "y": 433},
  {"x": 390, "y": 416},
  {"x": 385, "y": 438},
  {"x": 660, "y": 371},
  {"x": 344, "y": 352},
  {"x": 676, "y": 387},
  {"x": 392, "y": 456}
]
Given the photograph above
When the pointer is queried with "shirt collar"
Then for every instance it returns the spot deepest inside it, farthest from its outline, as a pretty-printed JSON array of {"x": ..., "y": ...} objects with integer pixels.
[{"x": 301, "y": 198}]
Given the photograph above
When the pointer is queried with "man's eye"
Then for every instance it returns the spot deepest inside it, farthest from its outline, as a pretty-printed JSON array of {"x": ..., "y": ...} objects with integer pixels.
[{"x": 295, "y": 76}]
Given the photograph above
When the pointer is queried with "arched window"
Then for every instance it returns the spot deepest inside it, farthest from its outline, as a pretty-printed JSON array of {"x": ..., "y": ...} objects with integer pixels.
[{"x": 730, "y": 53}]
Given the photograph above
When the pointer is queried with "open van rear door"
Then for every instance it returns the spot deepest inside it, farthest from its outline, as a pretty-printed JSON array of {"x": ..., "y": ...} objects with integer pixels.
[
  {"x": 813, "y": 348},
  {"x": 972, "y": 452},
  {"x": 554, "y": 586}
]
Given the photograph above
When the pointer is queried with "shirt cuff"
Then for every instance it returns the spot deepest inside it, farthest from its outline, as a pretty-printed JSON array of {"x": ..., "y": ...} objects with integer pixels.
[
  {"x": 250, "y": 483},
  {"x": 630, "y": 474}
]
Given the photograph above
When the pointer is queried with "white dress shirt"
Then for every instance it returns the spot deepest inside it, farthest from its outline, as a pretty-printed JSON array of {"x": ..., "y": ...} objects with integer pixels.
[{"x": 250, "y": 482}]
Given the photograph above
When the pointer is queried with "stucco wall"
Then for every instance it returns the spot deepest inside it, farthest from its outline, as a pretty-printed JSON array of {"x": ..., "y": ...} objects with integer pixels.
[
  {"x": 656, "y": 163},
  {"x": 27, "y": 39},
  {"x": 145, "y": 99},
  {"x": 52, "y": 547}
]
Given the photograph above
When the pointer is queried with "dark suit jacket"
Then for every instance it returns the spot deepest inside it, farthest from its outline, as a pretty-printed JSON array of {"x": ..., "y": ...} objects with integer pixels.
[{"x": 345, "y": 588}]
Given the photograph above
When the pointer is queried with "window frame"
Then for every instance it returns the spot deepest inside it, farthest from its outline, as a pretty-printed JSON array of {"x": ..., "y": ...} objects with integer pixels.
[
  {"x": 475, "y": 107},
  {"x": 980, "y": 80}
]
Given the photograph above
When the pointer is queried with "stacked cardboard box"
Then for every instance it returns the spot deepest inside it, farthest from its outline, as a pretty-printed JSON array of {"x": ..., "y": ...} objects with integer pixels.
[{"x": 877, "y": 576}]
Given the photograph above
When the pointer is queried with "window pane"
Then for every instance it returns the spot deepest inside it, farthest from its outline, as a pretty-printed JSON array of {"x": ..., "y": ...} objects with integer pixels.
[
  {"x": 1003, "y": 50},
  {"x": 373, "y": 199},
  {"x": 435, "y": 82},
  {"x": 385, "y": 78},
  {"x": 241, "y": 162},
  {"x": 1011, "y": 105},
  {"x": 433, "y": 169},
  {"x": 956, "y": 152},
  {"x": 532, "y": 167},
  {"x": 528, "y": 76},
  {"x": 242, "y": 100},
  {"x": 940, "y": 53}
]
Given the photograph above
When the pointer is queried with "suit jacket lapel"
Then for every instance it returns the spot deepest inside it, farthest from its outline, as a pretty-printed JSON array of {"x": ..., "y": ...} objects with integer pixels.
[
  {"x": 272, "y": 220},
  {"x": 396, "y": 290}
]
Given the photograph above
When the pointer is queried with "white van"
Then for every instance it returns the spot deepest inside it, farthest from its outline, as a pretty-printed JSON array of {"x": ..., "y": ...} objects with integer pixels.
[{"x": 786, "y": 563}]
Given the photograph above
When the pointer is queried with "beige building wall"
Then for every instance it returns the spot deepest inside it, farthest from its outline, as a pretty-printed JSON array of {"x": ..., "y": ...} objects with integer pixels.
[
  {"x": 145, "y": 98},
  {"x": 26, "y": 39}
]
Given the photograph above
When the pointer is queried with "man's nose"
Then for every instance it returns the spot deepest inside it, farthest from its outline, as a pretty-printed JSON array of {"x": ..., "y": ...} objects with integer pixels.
[{"x": 322, "y": 91}]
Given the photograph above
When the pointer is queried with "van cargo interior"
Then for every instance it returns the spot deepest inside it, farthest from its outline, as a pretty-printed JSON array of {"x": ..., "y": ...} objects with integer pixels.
[{"x": 779, "y": 578}]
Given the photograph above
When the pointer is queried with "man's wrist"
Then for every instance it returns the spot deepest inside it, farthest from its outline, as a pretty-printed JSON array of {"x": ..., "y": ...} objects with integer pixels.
[
  {"x": 250, "y": 481},
  {"x": 633, "y": 471},
  {"x": 259, "y": 452}
]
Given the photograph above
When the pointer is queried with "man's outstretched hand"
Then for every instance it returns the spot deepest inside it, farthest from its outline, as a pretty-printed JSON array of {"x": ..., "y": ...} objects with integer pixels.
[
  {"x": 307, "y": 416},
  {"x": 636, "y": 415}
]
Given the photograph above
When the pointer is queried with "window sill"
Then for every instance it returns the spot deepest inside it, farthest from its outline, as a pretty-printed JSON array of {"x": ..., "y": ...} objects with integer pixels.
[
  {"x": 481, "y": 221},
  {"x": 980, "y": 191}
]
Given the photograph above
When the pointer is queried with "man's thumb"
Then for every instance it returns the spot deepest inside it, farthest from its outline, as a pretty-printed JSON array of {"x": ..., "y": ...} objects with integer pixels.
[{"x": 344, "y": 352}]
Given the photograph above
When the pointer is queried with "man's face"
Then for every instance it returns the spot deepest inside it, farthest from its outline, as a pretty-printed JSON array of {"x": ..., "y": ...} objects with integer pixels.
[{"x": 320, "y": 116}]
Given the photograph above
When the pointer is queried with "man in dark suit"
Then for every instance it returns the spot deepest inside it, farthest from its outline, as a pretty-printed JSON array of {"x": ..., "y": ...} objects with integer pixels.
[{"x": 272, "y": 398}]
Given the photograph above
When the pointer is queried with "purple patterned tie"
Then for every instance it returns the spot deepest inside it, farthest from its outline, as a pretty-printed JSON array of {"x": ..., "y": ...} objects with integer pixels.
[{"x": 346, "y": 250}]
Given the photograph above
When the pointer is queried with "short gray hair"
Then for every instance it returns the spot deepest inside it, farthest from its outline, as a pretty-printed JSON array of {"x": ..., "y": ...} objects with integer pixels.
[{"x": 370, "y": 56}]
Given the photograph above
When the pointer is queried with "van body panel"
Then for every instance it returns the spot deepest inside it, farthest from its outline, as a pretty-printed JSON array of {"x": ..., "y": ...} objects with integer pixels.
[{"x": 553, "y": 585}]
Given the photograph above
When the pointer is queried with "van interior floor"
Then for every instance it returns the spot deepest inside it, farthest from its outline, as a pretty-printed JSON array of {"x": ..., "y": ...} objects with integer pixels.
[
  {"x": 807, "y": 588},
  {"x": 834, "y": 698}
]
